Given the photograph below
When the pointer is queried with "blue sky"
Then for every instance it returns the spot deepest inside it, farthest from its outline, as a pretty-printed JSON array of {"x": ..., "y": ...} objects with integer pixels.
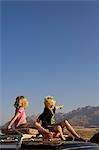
[{"x": 49, "y": 48}]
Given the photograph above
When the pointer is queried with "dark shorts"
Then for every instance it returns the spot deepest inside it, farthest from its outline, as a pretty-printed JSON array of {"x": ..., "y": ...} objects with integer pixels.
[{"x": 53, "y": 127}]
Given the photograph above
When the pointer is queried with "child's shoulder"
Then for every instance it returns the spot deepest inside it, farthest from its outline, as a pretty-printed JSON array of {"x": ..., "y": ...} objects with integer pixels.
[{"x": 20, "y": 109}]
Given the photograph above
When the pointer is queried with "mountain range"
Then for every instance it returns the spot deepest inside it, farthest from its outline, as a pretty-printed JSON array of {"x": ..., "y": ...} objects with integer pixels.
[{"x": 86, "y": 116}]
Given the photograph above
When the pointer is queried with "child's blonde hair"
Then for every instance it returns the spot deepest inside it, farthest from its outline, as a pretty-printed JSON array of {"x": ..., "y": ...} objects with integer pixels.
[
  {"x": 21, "y": 101},
  {"x": 49, "y": 101}
]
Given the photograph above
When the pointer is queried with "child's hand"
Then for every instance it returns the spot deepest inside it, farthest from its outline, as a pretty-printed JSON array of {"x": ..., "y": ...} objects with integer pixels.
[{"x": 61, "y": 106}]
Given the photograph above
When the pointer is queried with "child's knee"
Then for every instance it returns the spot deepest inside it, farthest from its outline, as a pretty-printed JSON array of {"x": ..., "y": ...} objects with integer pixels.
[
  {"x": 66, "y": 122},
  {"x": 36, "y": 124},
  {"x": 59, "y": 128}
]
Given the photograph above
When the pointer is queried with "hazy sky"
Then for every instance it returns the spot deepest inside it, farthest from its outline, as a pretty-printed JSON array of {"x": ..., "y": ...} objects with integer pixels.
[{"x": 49, "y": 48}]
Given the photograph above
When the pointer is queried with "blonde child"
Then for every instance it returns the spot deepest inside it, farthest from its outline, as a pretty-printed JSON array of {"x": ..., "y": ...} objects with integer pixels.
[
  {"x": 19, "y": 119},
  {"x": 47, "y": 119}
]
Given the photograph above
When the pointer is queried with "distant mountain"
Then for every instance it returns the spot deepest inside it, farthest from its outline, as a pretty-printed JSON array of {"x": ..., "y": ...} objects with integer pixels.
[{"x": 85, "y": 116}]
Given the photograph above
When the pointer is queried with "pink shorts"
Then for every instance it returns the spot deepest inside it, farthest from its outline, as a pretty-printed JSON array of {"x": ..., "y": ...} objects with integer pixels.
[{"x": 55, "y": 134}]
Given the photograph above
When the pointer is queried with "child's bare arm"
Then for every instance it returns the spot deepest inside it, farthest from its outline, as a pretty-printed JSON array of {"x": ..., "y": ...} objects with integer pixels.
[
  {"x": 13, "y": 120},
  {"x": 59, "y": 107}
]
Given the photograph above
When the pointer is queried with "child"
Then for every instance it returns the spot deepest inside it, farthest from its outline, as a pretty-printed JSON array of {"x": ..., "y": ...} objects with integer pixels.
[
  {"x": 19, "y": 119},
  {"x": 47, "y": 118}
]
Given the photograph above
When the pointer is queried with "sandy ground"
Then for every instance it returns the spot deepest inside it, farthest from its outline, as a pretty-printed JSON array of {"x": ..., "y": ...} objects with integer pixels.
[{"x": 86, "y": 133}]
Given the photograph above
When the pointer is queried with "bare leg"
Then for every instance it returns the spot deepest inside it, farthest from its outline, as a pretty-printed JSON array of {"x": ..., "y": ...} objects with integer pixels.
[
  {"x": 70, "y": 129},
  {"x": 59, "y": 129},
  {"x": 40, "y": 128},
  {"x": 45, "y": 132}
]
